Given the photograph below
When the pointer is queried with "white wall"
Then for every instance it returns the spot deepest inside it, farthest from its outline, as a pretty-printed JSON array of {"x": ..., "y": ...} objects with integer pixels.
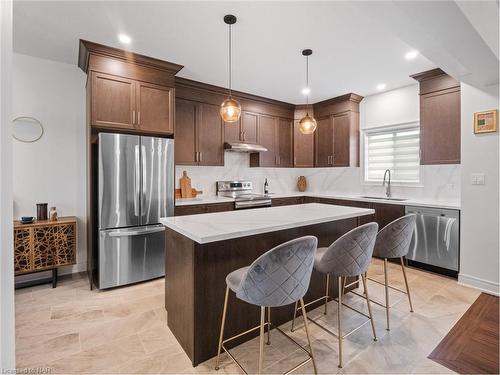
[
  {"x": 479, "y": 257},
  {"x": 7, "y": 325},
  {"x": 52, "y": 170},
  {"x": 388, "y": 108}
]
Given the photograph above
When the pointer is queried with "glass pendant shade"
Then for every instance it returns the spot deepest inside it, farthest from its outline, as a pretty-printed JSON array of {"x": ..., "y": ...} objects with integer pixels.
[
  {"x": 307, "y": 125},
  {"x": 230, "y": 110}
]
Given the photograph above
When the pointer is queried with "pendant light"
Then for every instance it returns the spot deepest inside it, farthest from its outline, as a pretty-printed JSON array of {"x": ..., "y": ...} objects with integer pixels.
[
  {"x": 307, "y": 124},
  {"x": 230, "y": 109}
]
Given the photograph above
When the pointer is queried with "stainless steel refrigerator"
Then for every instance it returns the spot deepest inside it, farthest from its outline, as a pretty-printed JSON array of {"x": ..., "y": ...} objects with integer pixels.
[{"x": 135, "y": 189}]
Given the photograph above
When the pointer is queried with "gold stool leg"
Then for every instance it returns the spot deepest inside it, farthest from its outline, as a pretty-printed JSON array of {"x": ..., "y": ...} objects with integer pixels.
[
  {"x": 261, "y": 338},
  {"x": 339, "y": 318},
  {"x": 304, "y": 315},
  {"x": 224, "y": 311},
  {"x": 363, "y": 277},
  {"x": 326, "y": 292},
  {"x": 294, "y": 316},
  {"x": 406, "y": 283},
  {"x": 268, "y": 326},
  {"x": 386, "y": 284}
]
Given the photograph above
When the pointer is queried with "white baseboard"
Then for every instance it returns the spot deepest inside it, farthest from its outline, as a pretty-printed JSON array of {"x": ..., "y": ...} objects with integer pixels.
[{"x": 480, "y": 284}]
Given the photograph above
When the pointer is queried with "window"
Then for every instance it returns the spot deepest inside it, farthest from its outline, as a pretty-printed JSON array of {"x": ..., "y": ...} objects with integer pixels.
[{"x": 397, "y": 149}]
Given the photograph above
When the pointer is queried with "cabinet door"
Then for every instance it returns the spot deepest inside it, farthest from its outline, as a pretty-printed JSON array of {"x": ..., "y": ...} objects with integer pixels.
[
  {"x": 285, "y": 143},
  {"x": 341, "y": 139},
  {"x": 303, "y": 148},
  {"x": 440, "y": 127},
  {"x": 268, "y": 128},
  {"x": 23, "y": 254},
  {"x": 155, "y": 108},
  {"x": 250, "y": 127},
  {"x": 386, "y": 213},
  {"x": 113, "y": 101},
  {"x": 210, "y": 132},
  {"x": 232, "y": 131},
  {"x": 324, "y": 142},
  {"x": 185, "y": 135}
]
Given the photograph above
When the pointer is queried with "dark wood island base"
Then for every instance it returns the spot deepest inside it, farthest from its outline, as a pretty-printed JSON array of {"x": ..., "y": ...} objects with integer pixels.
[{"x": 195, "y": 285}]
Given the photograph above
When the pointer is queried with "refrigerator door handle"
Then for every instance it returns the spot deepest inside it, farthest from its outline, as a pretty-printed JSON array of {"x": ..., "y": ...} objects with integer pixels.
[
  {"x": 137, "y": 181},
  {"x": 144, "y": 187},
  {"x": 137, "y": 232}
]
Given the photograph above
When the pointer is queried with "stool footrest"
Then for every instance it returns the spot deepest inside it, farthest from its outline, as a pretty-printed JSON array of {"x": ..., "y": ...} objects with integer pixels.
[{"x": 270, "y": 325}]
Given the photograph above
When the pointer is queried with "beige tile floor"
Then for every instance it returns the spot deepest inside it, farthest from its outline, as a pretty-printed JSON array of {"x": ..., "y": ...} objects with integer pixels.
[{"x": 71, "y": 329}]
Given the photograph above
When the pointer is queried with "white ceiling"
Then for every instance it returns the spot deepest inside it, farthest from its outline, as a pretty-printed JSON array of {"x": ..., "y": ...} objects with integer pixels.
[{"x": 351, "y": 54}]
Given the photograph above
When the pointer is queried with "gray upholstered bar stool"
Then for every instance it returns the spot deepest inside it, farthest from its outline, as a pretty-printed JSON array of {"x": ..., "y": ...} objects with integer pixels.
[
  {"x": 393, "y": 242},
  {"x": 279, "y": 277},
  {"x": 348, "y": 256}
]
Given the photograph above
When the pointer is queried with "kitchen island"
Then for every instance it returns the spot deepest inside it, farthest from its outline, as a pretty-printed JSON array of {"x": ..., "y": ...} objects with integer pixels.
[{"x": 202, "y": 249}]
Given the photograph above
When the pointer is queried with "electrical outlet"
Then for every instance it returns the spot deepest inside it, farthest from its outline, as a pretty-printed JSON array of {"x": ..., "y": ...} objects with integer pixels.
[{"x": 477, "y": 179}]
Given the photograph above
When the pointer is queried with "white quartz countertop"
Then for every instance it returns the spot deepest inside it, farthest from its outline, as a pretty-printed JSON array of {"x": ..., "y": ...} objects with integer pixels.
[
  {"x": 421, "y": 202},
  {"x": 205, "y": 228}
]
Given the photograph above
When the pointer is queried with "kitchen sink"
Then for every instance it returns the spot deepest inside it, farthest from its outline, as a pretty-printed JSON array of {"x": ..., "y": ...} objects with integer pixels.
[{"x": 384, "y": 198}]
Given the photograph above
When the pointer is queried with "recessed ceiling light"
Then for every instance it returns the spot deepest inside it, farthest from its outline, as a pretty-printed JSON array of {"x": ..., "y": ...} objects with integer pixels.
[
  {"x": 411, "y": 55},
  {"x": 124, "y": 38},
  {"x": 306, "y": 91},
  {"x": 381, "y": 86}
]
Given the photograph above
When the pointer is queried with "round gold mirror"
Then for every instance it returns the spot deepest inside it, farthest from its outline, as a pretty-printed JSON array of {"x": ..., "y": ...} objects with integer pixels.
[{"x": 27, "y": 129}]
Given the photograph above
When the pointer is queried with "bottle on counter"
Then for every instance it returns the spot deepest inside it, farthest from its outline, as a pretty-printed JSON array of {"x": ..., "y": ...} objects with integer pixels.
[{"x": 266, "y": 187}]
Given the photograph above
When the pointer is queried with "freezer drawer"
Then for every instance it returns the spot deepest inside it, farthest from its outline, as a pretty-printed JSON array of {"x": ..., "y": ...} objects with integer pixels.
[
  {"x": 436, "y": 238},
  {"x": 130, "y": 255}
]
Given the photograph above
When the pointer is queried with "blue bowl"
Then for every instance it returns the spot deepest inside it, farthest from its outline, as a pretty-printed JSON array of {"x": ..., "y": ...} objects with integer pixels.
[{"x": 27, "y": 218}]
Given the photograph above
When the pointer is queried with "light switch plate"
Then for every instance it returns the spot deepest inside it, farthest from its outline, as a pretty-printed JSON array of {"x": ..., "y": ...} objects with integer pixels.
[{"x": 477, "y": 179}]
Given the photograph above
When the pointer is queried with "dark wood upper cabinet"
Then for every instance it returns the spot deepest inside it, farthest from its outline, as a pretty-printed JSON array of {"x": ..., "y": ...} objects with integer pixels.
[
  {"x": 155, "y": 105},
  {"x": 341, "y": 140},
  {"x": 324, "y": 142},
  {"x": 127, "y": 91},
  {"x": 285, "y": 143},
  {"x": 199, "y": 134},
  {"x": 112, "y": 101},
  {"x": 439, "y": 118},
  {"x": 249, "y": 127},
  {"x": 186, "y": 118},
  {"x": 337, "y": 135},
  {"x": 303, "y": 144},
  {"x": 232, "y": 131},
  {"x": 210, "y": 132},
  {"x": 268, "y": 132}
]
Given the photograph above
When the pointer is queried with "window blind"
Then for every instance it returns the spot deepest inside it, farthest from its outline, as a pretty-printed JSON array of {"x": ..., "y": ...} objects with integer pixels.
[{"x": 397, "y": 150}]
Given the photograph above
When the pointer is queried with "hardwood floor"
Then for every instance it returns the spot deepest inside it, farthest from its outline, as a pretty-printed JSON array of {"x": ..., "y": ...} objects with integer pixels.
[
  {"x": 71, "y": 330},
  {"x": 471, "y": 347}
]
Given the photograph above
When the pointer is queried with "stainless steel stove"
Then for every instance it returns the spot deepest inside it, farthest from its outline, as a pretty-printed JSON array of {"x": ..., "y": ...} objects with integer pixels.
[{"x": 242, "y": 193}]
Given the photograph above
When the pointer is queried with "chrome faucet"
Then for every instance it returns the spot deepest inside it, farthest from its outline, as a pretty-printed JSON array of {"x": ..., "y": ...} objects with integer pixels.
[{"x": 387, "y": 183}]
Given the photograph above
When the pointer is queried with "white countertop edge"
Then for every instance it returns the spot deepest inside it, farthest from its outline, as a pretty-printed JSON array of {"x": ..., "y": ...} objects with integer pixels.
[
  {"x": 409, "y": 202},
  {"x": 251, "y": 232}
]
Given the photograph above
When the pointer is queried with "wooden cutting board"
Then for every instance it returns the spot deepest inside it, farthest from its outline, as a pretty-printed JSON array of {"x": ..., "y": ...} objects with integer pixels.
[
  {"x": 194, "y": 193},
  {"x": 186, "y": 186}
]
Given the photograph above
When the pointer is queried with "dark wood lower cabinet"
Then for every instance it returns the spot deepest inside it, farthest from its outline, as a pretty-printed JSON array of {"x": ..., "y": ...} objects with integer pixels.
[
  {"x": 203, "y": 208},
  {"x": 287, "y": 201}
]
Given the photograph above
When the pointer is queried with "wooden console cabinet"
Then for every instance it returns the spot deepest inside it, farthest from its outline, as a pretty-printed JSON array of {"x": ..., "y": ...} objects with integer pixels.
[{"x": 44, "y": 245}]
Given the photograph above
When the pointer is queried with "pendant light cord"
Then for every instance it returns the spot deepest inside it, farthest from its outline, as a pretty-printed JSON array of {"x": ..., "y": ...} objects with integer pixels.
[
  {"x": 230, "y": 65},
  {"x": 307, "y": 82}
]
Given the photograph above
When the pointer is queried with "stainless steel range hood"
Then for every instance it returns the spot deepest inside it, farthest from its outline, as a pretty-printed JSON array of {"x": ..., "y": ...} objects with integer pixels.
[{"x": 243, "y": 147}]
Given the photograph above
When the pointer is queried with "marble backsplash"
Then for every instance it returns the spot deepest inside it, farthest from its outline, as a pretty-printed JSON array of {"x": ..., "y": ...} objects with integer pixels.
[{"x": 439, "y": 182}]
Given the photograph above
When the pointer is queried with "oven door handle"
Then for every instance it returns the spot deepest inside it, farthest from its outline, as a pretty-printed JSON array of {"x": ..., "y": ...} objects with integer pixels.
[{"x": 256, "y": 203}]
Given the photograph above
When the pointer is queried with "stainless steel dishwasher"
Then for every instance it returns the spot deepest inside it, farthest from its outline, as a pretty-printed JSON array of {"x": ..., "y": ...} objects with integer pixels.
[{"x": 435, "y": 243}]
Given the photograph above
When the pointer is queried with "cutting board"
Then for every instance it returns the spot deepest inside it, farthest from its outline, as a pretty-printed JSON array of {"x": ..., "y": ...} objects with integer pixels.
[
  {"x": 194, "y": 193},
  {"x": 186, "y": 186}
]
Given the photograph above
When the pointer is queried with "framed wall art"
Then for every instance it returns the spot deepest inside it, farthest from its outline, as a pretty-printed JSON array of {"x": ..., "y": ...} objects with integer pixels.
[{"x": 486, "y": 121}]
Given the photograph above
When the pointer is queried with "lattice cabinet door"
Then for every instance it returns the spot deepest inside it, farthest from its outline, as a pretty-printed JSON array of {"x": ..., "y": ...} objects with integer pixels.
[
  {"x": 23, "y": 254},
  {"x": 54, "y": 246}
]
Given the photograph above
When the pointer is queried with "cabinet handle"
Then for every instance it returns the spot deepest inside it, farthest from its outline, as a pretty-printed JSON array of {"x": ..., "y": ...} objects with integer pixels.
[
  {"x": 138, "y": 117},
  {"x": 133, "y": 117},
  {"x": 200, "y": 155},
  {"x": 328, "y": 159},
  {"x": 333, "y": 159},
  {"x": 294, "y": 161}
]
